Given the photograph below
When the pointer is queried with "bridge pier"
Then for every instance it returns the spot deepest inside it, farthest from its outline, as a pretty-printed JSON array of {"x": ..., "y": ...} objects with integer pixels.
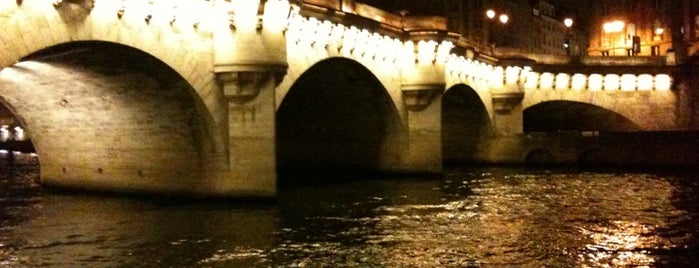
[
  {"x": 250, "y": 62},
  {"x": 424, "y": 103}
]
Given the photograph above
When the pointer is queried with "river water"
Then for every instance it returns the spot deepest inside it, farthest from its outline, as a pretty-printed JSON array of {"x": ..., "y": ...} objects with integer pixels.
[{"x": 468, "y": 217}]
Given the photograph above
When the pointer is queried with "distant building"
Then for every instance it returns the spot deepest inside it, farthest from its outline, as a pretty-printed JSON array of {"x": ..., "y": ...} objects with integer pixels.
[
  {"x": 535, "y": 27},
  {"x": 644, "y": 27}
]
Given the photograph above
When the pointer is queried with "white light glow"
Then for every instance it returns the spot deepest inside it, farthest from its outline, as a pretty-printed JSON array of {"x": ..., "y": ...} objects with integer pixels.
[
  {"x": 426, "y": 51},
  {"x": 663, "y": 82},
  {"x": 546, "y": 81},
  {"x": 443, "y": 51},
  {"x": 408, "y": 54},
  {"x": 645, "y": 82},
  {"x": 562, "y": 81},
  {"x": 568, "y": 22},
  {"x": 490, "y": 13},
  {"x": 245, "y": 13},
  {"x": 614, "y": 26},
  {"x": 276, "y": 15},
  {"x": 497, "y": 77},
  {"x": 4, "y": 134},
  {"x": 512, "y": 75},
  {"x": 532, "y": 80},
  {"x": 611, "y": 82},
  {"x": 628, "y": 82},
  {"x": 579, "y": 82},
  {"x": 18, "y": 134},
  {"x": 595, "y": 82},
  {"x": 504, "y": 18}
]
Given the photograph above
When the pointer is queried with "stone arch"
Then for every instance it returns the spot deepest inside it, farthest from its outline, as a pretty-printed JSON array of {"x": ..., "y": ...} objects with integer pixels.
[
  {"x": 109, "y": 117},
  {"x": 337, "y": 118},
  {"x": 465, "y": 124},
  {"x": 553, "y": 116},
  {"x": 185, "y": 49}
]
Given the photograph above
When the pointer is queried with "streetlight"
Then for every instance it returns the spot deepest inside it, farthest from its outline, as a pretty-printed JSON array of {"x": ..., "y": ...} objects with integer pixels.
[
  {"x": 504, "y": 18},
  {"x": 491, "y": 14},
  {"x": 568, "y": 22}
]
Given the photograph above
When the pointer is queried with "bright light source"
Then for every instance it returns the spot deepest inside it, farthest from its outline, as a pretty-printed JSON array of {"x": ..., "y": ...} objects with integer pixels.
[
  {"x": 568, "y": 22},
  {"x": 663, "y": 82},
  {"x": 546, "y": 82},
  {"x": 614, "y": 26},
  {"x": 659, "y": 31},
  {"x": 595, "y": 82},
  {"x": 504, "y": 18},
  {"x": 490, "y": 13}
]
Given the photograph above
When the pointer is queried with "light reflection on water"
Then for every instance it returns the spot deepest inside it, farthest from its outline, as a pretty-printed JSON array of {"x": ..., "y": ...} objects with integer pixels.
[{"x": 480, "y": 216}]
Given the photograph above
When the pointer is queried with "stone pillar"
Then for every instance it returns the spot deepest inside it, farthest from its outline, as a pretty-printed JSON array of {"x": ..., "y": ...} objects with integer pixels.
[
  {"x": 508, "y": 114},
  {"x": 507, "y": 93},
  {"x": 250, "y": 62},
  {"x": 424, "y": 105},
  {"x": 422, "y": 84}
]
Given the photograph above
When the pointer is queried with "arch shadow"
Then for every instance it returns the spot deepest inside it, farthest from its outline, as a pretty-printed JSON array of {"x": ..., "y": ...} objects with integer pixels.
[
  {"x": 555, "y": 116},
  {"x": 465, "y": 125},
  {"x": 337, "y": 119}
]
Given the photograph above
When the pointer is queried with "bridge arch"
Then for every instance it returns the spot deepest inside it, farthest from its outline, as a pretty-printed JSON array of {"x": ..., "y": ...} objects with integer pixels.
[
  {"x": 465, "y": 124},
  {"x": 554, "y": 116},
  {"x": 337, "y": 118},
  {"x": 109, "y": 117},
  {"x": 34, "y": 26}
]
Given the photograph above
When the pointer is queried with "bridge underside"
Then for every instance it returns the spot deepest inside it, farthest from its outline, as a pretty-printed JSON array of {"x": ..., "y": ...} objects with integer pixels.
[
  {"x": 465, "y": 125},
  {"x": 107, "y": 117},
  {"x": 553, "y": 116},
  {"x": 337, "y": 119}
]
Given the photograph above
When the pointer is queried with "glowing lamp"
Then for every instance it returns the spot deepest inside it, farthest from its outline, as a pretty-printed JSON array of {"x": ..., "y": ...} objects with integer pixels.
[
  {"x": 497, "y": 77},
  {"x": 19, "y": 134},
  {"x": 645, "y": 82},
  {"x": 595, "y": 82},
  {"x": 426, "y": 51},
  {"x": 443, "y": 51},
  {"x": 490, "y": 13},
  {"x": 562, "y": 81},
  {"x": 628, "y": 82},
  {"x": 504, "y": 18},
  {"x": 568, "y": 22},
  {"x": 611, "y": 82},
  {"x": 276, "y": 14},
  {"x": 663, "y": 82},
  {"x": 243, "y": 14},
  {"x": 579, "y": 82},
  {"x": 532, "y": 81},
  {"x": 546, "y": 81},
  {"x": 512, "y": 75},
  {"x": 4, "y": 134}
]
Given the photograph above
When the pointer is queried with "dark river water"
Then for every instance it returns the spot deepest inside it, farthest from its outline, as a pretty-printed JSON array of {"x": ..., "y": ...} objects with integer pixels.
[{"x": 469, "y": 217}]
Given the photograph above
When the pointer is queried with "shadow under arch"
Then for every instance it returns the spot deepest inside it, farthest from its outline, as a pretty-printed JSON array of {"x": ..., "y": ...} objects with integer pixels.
[
  {"x": 110, "y": 117},
  {"x": 337, "y": 119},
  {"x": 465, "y": 125},
  {"x": 554, "y": 116}
]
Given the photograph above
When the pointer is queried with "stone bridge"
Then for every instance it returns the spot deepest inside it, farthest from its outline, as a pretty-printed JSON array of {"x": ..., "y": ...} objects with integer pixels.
[{"x": 213, "y": 97}]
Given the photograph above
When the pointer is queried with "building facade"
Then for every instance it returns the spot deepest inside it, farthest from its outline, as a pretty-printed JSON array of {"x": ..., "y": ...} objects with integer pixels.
[
  {"x": 513, "y": 26},
  {"x": 644, "y": 27}
]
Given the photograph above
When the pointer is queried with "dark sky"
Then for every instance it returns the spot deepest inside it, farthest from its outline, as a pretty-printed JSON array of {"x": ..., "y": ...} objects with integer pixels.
[{"x": 579, "y": 10}]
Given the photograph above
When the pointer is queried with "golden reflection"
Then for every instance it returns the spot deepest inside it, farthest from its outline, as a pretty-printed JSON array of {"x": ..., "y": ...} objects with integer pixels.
[{"x": 622, "y": 243}]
